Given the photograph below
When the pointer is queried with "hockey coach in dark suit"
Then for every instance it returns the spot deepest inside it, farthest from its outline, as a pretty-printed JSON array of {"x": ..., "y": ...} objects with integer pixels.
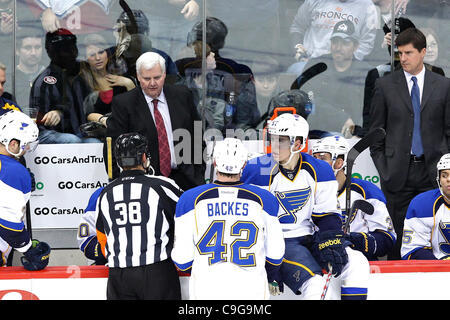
[
  {"x": 413, "y": 106},
  {"x": 165, "y": 114}
]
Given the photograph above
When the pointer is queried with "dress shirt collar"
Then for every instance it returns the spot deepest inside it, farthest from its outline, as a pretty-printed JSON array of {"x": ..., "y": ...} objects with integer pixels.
[{"x": 420, "y": 76}]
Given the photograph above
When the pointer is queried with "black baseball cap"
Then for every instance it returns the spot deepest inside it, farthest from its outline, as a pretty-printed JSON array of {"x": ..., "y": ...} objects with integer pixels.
[{"x": 344, "y": 29}]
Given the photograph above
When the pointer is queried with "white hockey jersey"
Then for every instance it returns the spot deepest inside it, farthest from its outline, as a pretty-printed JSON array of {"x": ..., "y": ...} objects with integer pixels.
[
  {"x": 15, "y": 191},
  {"x": 312, "y": 193},
  {"x": 427, "y": 225},
  {"x": 226, "y": 233},
  {"x": 380, "y": 220}
]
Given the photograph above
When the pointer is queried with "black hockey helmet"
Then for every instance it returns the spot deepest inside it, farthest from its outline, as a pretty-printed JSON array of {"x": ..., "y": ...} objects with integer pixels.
[
  {"x": 216, "y": 32},
  {"x": 141, "y": 19},
  {"x": 129, "y": 148},
  {"x": 298, "y": 99}
]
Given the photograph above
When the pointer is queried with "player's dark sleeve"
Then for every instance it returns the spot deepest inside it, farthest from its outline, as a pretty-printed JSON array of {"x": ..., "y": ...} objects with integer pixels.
[{"x": 327, "y": 222}]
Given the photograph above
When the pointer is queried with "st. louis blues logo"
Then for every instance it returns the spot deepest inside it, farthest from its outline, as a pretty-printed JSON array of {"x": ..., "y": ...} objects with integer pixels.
[
  {"x": 444, "y": 229},
  {"x": 292, "y": 202},
  {"x": 24, "y": 125}
]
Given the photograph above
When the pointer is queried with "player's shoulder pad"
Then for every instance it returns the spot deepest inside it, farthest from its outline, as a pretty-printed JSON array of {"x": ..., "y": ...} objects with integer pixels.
[
  {"x": 257, "y": 171},
  {"x": 93, "y": 200},
  {"x": 14, "y": 174},
  {"x": 320, "y": 170},
  {"x": 190, "y": 197},
  {"x": 425, "y": 205},
  {"x": 267, "y": 200},
  {"x": 367, "y": 189}
]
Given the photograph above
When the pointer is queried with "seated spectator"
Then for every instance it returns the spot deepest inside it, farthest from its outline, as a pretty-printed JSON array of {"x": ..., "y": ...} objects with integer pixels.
[
  {"x": 29, "y": 65},
  {"x": 213, "y": 112},
  {"x": 235, "y": 78},
  {"x": 103, "y": 84},
  {"x": 338, "y": 92},
  {"x": 59, "y": 91},
  {"x": 313, "y": 24},
  {"x": 131, "y": 41},
  {"x": 7, "y": 102}
]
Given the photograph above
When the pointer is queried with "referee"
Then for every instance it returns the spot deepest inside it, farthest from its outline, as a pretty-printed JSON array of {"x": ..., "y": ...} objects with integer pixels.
[{"x": 135, "y": 227}]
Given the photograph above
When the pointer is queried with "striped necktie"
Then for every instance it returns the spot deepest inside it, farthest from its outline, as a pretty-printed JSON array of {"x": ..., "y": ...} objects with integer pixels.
[{"x": 163, "y": 142}]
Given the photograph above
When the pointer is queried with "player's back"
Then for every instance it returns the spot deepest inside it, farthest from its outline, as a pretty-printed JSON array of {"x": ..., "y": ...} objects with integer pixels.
[{"x": 225, "y": 232}]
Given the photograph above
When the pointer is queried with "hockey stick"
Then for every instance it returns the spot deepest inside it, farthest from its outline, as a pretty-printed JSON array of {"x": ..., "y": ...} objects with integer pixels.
[
  {"x": 308, "y": 74},
  {"x": 109, "y": 157},
  {"x": 371, "y": 138},
  {"x": 359, "y": 204}
]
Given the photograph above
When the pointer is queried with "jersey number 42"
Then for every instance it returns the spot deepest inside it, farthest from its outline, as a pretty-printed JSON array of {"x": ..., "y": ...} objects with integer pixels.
[{"x": 212, "y": 242}]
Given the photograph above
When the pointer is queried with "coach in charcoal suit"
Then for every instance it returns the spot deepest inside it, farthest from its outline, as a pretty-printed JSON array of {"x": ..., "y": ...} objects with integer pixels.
[
  {"x": 134, "y": 111},
  {"x": 406, "y": 159}
]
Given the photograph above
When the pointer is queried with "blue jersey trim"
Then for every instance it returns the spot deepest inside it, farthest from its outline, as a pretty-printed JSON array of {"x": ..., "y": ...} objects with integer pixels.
[
  {"x": 184, "y": 266},
  {"x": 93, "y": 200},
  {"x": 14, "y": 226}
]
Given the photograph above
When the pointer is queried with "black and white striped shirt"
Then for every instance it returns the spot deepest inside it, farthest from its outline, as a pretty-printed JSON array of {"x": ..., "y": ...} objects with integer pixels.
[{"x": 136, "y": 214}]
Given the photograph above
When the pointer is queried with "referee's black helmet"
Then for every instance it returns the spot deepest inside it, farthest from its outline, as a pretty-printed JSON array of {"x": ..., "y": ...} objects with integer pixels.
[{"x": 129, "y": 149}]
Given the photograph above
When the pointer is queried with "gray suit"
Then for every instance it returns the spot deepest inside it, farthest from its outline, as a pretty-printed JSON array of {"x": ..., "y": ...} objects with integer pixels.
[{"x": 401, "y": 177}]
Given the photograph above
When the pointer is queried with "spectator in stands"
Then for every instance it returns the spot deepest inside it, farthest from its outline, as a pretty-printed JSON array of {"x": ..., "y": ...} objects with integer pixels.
[
  {"x": 213, "y": 112},
  {"x": 412, "y": 105},
  {"x": 59, "y": 91},
  {"x": 131, "y": 41},
  {"x": 312, "y": 26},
  {"x": 29, "y": 65},
  {"x": 104, "y": 85},
  {"x": 338, "y": 92},
  {"x": 236, "y": 79},
  {"x": 7, "y": 101}
]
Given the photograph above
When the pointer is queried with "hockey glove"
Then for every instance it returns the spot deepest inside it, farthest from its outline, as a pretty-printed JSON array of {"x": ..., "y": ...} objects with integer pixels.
[
  {"x": 37, "y": 257},
  {"x": 276, "y": 286},
  {"x": 33, "y": 180},
  {"x": 363, "y": 242},
  {"x": 329, "y": 249}
]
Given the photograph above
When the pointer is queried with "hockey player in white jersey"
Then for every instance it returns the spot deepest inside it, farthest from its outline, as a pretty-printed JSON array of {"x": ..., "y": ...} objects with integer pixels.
[
  {"x": 426, "y": 233},
  {"x": 87, "y": 233},
  {"x": 18, "y": 135},
  {"x": 227, "y": 233},
  {"x": 306, "y": 190},
  {"x": 374, "y": 234}
]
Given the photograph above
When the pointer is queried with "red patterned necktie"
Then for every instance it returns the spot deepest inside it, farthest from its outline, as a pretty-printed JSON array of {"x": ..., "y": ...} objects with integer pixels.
[{"x": 163, "y": 142}]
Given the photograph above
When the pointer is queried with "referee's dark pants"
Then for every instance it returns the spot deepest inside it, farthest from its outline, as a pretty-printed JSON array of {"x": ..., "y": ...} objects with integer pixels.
[
  {"x": 157, "y": 281},
  {"x": 418, "y": 181}
]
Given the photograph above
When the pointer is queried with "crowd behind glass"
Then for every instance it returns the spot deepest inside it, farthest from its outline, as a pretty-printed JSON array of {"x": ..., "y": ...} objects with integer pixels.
[{"x": 254, "y": 50}]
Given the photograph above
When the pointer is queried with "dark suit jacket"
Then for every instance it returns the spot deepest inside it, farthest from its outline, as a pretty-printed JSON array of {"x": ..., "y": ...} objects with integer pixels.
[
  {"x": 131, "y": 113},
  {"x": 392, "y": 110}
]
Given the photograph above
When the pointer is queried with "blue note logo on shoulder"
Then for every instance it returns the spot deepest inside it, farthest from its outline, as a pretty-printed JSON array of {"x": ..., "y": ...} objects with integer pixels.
[
  {"x": 24, "y": 125},
  {"x": 292, "y": 202}
]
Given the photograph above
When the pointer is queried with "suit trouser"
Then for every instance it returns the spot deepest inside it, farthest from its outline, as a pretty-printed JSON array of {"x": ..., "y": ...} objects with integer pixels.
[{"x": 418, "y": 181}]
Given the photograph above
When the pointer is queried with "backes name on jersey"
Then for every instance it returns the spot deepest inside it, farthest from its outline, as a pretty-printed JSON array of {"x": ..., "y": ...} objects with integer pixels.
[{"x": 227, "y": 208}]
